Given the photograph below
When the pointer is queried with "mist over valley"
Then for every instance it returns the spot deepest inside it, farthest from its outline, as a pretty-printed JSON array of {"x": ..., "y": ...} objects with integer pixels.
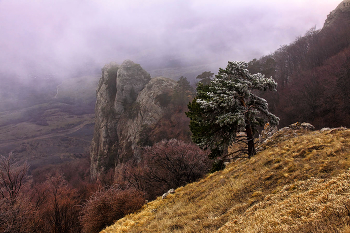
[{"x": 95, "y": 96}]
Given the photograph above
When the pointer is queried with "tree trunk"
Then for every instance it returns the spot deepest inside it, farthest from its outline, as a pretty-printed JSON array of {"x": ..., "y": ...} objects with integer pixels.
[{"x": 250, "y": 138}]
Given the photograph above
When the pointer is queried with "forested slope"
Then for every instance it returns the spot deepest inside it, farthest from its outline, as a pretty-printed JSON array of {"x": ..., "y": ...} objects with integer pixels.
[{"x": 313, "y": 75}]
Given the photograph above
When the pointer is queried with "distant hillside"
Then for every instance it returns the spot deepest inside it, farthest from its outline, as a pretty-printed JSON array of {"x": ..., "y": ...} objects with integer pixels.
[
  {"x": 299, "y": 183},
  {"x": 313, "y": 74},
  {"x": 46, "y": 121}
]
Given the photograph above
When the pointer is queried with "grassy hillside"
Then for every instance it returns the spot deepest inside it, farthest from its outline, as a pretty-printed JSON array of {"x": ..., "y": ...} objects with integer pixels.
[{"x": 298, "y": 183}]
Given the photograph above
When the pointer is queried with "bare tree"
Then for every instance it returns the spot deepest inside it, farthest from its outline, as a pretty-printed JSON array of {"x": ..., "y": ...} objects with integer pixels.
[
  {"x": 12, "y": 176},
  {"x": 16, "y": 212},
  {"x": 108, "y": 205},
  {"x": 173, "y": 163},
  {"x": 60, "y": 211}
]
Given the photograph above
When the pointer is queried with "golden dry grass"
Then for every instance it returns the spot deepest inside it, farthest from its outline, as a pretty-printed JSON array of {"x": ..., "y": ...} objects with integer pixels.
[{"x": 299, "y": 184}]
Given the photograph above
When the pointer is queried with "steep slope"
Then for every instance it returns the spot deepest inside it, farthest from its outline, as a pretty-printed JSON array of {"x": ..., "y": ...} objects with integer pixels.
[
  {"x": 299, "y": 183},
  {"x": 339, "y": 13},
  {"x": 313, "y": 74}
]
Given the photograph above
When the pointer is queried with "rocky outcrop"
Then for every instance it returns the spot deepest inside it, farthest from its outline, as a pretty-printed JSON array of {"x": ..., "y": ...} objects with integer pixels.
[
  {"x": 171, "y": 191},
  {"x": 146, "y": 111},
  {"x": 340, "y": 13},
  {"x": 127, "y": 100},
  {"x": 131, "y": 79},
  {"x": 275, "y": 136}
]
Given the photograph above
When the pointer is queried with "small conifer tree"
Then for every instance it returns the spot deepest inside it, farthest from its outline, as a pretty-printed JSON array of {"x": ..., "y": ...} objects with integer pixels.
[
  {"x": 183, "y": 92},
  {"x": 228, "y": 106},
  {"x": 205, "y": 77}
]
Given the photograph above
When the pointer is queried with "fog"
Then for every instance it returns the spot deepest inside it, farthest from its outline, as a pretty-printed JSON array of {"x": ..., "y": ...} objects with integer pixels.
[{"x": 63, "y": 37}]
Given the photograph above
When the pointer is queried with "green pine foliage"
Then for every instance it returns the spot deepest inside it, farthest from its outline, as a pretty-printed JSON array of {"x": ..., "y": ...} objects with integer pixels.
[
  {"x": 227, "y": 106},
  {"x": 205, "y": 77},
  {"x": 183, "y": 92}
]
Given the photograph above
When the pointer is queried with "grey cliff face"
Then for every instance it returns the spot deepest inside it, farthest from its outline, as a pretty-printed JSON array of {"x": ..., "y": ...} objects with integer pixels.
[
  {"x": 149, "y": 113},
  {"x": 126, "y": 101},
  {"x": 118, "y": 88},
  {"x": 340, "y": 13},
  {"x": 105, "y": 115},
  {"x": 131, "y": 80}
]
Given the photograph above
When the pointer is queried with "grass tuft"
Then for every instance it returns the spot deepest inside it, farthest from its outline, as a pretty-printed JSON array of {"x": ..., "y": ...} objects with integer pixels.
[{"x": 298, "y": 183}]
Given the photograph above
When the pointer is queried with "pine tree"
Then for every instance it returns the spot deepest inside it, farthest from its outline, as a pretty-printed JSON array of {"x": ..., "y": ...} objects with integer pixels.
[
  {"x": 183, "y": 92},
  {"x": 228, "y": 106},
  {"x": 205, "y": 77}
]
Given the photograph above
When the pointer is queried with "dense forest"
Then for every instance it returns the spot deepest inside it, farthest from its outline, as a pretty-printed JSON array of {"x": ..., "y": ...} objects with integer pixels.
[{"x": 313, "y": 77}]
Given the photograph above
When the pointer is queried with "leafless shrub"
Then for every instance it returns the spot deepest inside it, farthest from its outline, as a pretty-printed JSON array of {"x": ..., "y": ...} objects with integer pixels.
[
  {"x": 16, "y": 212},
  {"x": 58, "y": 206},
  {"x": 108, "y": 205},
  {"x": 165, "y": 165}
]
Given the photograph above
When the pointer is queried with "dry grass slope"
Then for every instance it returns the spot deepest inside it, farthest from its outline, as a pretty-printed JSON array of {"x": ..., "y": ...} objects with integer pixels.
[{"x": 299, "y": 184}]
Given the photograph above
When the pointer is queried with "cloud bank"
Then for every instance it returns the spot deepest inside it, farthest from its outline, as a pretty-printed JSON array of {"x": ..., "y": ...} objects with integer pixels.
[{"x": 62, "y": 37}]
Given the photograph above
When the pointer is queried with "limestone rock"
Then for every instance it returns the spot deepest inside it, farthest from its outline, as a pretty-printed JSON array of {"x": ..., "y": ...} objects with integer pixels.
[
  {"x": 285, "y": 133},
  {"x": 117, "y": 88},
  {"x": 126, "y": 101},
  {"x": 105, "y": 118},
  {"x": 171, "y": 191},
  {"x": 340, "y": 13},
  {"x": 149, "y": 112},
  {"x": 304, "y": 125},
  {"x": 307, "y": 126},
  {"x": 131, "y": 80}
]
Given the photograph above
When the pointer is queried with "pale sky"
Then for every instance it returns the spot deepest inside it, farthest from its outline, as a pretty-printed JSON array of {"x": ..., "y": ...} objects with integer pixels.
[{"x": 62, "y": 36}]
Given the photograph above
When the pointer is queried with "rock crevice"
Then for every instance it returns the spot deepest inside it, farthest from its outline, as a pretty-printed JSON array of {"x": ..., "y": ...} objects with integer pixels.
[{"x": 126, "y": 101}]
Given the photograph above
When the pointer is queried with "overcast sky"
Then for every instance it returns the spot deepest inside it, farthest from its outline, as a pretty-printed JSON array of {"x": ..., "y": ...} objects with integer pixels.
[{"x": 61, "y": 36}]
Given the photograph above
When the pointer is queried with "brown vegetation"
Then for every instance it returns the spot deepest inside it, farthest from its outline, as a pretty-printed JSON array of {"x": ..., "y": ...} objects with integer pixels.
[
  {"x": 57, "y": 206},
  {"x": 296, "y": 185},
  {"x": 62, "y": 199},
  {"x": 43, "y": 202},
  {"x": 106, "y": 206},
  {"x": 15, "y": 208},
  {"x": 165, "y": 165},
  {"x": 313, "y": 78}
]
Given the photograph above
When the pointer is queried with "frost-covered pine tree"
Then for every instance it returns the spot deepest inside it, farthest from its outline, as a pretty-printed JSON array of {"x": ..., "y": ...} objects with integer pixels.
[{"x": 228, "y": 106}]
